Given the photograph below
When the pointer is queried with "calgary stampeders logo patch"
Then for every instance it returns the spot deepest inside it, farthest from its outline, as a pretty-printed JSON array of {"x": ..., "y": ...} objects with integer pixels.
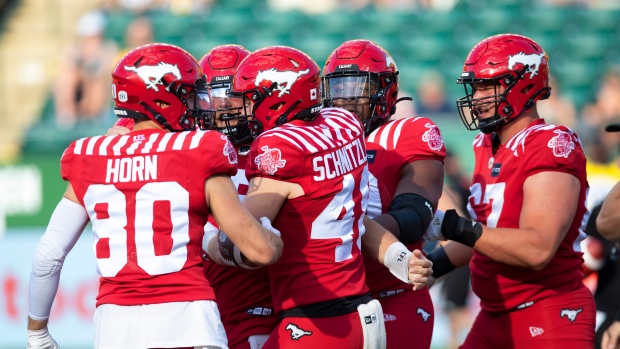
[
  {"x": 433, "y": 137},
  {"x": 562, "y": 144},
  {"x": 270, "y": 160},
  {"x": 229, "y": 150}
]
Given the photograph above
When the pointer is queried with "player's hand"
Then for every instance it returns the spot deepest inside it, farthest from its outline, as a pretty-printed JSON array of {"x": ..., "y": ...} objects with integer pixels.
[
  {"x": 611, "y": 336},
  {"x": 420, "y": 270},
  {"x": 459, "y": 229},
  {"x": 117, "y": 131},
  {"x": 41, "y": 339},
  {"x": 433, "y": 232},
  {"x": 267, "y": 225}
]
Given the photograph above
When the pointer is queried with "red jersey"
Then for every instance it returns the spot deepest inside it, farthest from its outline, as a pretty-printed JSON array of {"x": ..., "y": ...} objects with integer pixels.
[
  {"x": 322, "y": 229},
  {"x": 144, "y": 193},
  {"x": 243, "y": 296},
  {"x": 496, "y": 200},
  {"x": 389, "y": 148}
]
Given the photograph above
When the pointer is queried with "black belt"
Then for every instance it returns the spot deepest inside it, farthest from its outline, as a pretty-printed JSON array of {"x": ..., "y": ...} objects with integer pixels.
[{"x": 336, "y": 307}]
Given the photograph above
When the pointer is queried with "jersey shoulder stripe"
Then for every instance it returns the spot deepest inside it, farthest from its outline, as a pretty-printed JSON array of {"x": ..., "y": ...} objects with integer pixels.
[{"x": 119, "y": 145}]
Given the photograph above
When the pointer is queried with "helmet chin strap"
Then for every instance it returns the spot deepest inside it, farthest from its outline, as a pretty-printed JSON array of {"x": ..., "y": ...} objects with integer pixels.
[{"x": 159, "y": 118}]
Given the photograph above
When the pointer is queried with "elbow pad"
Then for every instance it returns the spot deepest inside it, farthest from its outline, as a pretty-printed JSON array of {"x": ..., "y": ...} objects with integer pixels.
[
  {"x": 413, "y": 213},
  {"x": 64, "y": 229}
]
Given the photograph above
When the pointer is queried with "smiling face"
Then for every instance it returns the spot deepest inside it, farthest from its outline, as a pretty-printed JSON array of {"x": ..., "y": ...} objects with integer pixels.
[{"x": 485, "y": 97}]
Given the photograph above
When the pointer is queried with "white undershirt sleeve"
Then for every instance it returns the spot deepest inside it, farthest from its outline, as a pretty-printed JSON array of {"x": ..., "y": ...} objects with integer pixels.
[{"x": 63, "y": 230}]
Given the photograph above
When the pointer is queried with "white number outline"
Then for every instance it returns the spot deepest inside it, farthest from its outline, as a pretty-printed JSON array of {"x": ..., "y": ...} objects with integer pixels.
[
  {"x": 328, "y": 226},
  {"x": 492, "y": 192},
  {"x": 114, "y": 227}
]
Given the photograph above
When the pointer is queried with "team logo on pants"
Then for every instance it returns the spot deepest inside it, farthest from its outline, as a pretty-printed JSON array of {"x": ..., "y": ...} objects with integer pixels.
[
  {"x": 425, "y": 315},
  {"x": 297, "y": 332},
  {"x": 571, "y": 314}
]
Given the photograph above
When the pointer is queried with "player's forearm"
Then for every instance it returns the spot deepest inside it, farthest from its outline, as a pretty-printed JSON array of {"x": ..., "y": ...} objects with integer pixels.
[
  {"x": 608, "y": 220},
  {"x": 376, "y": 240},
  {"x": 525, "y": 248},
  {"x": 458, "y": 253}
]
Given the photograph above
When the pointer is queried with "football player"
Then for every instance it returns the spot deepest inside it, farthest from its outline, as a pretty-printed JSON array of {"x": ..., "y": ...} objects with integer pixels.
[
  {"x": 308, "y": 173},
  {"x": 243, "y": 296},
  {"x": 528, "y": 206},
  {"x": 148, "y": 212},
  {"x": 405, "y": 159},
  {"x": 608, "y": 219}
]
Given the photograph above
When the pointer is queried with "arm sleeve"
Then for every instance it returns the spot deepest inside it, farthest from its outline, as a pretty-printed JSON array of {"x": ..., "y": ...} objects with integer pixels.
[{"x": 64, "y": 229}]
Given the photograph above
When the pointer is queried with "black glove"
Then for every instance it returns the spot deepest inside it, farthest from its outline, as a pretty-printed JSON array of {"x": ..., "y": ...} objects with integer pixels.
[{"x": 460, "y": 229}]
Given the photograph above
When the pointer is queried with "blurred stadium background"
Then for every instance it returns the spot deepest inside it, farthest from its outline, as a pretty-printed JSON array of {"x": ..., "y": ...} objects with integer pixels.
[{"x": 428, "y": 39}]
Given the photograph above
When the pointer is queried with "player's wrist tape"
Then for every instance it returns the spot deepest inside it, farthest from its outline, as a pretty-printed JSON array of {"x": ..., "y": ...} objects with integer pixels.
[
  {"x": 207, "y": 237},
  {"x": 441, "y": 263},
  {"x": 396, "y": 259},
  {"x": 460, "y": 229}
]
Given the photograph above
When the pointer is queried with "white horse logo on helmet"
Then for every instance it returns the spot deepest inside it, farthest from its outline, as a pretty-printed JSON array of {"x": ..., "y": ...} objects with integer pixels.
[
  {"x": 152, "y": 74},
  {"x": 532, "y": 61},
  {"x": 284, "y": 79}
]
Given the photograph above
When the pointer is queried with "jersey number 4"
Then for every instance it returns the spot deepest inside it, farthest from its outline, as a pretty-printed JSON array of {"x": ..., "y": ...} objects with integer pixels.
[
  {"x": 340, "y": 220},
  {"x": 110, "y": 226}
]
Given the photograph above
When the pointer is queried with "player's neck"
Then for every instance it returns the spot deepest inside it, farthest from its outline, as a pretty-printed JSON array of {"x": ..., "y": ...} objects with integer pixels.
[
  {"x": 521, "y": 123},
  {"x": 146, "y": 125}
]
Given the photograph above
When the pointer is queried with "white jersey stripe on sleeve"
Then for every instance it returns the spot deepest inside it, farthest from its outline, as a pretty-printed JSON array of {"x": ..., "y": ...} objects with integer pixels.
[
  {"x": 300, "y": 138},
  {"x": 385, "y": 134},
  {"x": 103, "y": 148},
  {"x": 91, "y": 145},
  {"x": 398, "y": 130},
  {"x": 327, "y": 139},
  {"x": 164, "y": 142},
  {"x": 178, "y": 142},
  {"x": 196, "y": 139},
  {"x": 78, "y": 146},
  {"x": 147, "y": 147},
  {"x": 132, "y": 148},
  {"x": 116, "y": 149},
  {"x": 302, "y": 133}
]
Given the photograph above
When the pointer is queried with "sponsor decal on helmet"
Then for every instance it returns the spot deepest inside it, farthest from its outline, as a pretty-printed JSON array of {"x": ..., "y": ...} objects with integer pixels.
[
  {"x": 532, "y": 61},
  {"x": 270, "y": 160},
  {"x": 152, "y": 74},
  {"x": 284, "y": 79},
  {"x": 562, "y": 144},
  {"x": 122, "y": 96},
  {"x": 433, "y": 137}
]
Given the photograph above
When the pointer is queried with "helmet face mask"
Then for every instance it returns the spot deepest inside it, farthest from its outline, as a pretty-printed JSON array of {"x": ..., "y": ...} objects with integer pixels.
[
  {"x": 353, "y": 93},
  {"x": 517, "y": 70},
  {"x": 219, "y": 66},
  {"x": 361, "y": 61},
  {"x": 163, "y": 83}
]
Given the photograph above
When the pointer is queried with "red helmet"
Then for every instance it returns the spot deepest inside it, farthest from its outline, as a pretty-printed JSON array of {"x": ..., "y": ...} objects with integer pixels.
[
  {"x": 278, "y": 83},
  {"x": 516, "y": 63},
  {"x": 362, "y": 77},
  {"x": 219, "y": 66},
  {"x": 163, "y": 83}
]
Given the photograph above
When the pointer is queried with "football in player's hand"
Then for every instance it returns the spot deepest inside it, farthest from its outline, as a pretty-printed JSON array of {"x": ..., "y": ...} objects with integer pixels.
[{"x": 231, "y": 253}]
